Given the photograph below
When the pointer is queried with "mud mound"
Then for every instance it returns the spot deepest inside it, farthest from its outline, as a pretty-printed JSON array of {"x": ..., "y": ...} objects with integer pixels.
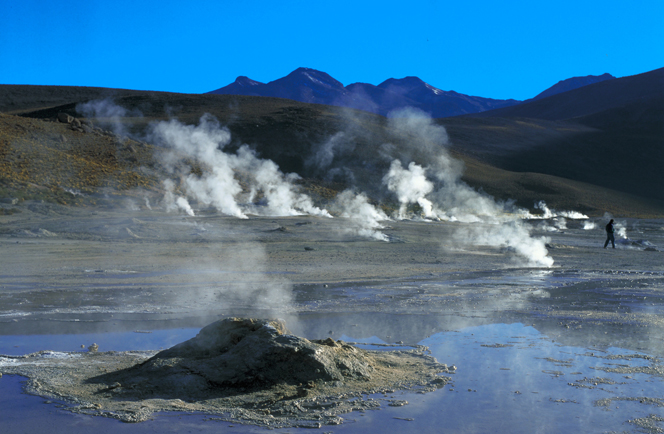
[
  {"x": 244, "y": 352},
  {"x": 239, "y": 370}
]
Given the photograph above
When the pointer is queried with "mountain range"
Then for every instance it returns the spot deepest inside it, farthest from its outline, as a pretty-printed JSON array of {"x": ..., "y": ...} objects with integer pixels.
[
  {"x": 313, "y": 86},
  {"x": 599, "y": 130}
]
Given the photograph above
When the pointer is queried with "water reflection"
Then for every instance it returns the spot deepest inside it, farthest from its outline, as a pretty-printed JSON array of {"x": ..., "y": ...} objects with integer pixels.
[
  {"x": 513, "y": 379},
  {"x": 510, "y": 378}
]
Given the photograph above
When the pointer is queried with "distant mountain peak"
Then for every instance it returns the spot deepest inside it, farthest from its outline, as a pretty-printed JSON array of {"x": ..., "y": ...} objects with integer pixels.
[
  {"x": 410, "y": 84},
  {"x": 246, "y": 81},
  {"x": 304, "y": 69},
  {"x": 573, "y": 83},
  {"x": 314, "y": 86},
  {"x": 409, "y": 81},
  {"x": 315, "y": 76}
]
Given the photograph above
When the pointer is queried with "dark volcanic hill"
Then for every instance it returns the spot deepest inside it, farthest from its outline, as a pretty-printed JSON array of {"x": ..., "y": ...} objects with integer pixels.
[
  {"x": 312, "y": 86},
  {"x": 573, "y": 83},
  {"x": 609, "y": 133},
  {"x": 16, "y": 99},
  {"x": 589, "y": 99},
  {"x": 303, "y": 84},
  {"x": 393, "y": 94}
]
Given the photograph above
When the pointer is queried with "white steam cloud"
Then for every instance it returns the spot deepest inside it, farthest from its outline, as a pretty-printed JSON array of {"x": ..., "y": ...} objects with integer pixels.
[
  {"x": 438, "y": 189},
  {"x": 364, "y": 218},
  {"x": 220, "y": 182},
  {"x": 173, "y": 202},
  {"x": 410, "y": 186},
  {"x": 239, "y": 184},
  {"x": 588, "y": 225},
  {"x": 203, "y": 173},
  {"x": 249, "y": 284},
  {"x": 108, "y": 114},
  {"x": 548, "y": 213},
  {"x": 324, "y": 153},
  {"x": 514, "y": 236},
  {"x": 620, "y": 230}
]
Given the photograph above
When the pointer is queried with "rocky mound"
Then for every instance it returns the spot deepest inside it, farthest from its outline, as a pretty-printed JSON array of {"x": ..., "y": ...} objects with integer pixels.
[
  {"x": 239, "y": 370},
  {"x": 244, "y": 352}
]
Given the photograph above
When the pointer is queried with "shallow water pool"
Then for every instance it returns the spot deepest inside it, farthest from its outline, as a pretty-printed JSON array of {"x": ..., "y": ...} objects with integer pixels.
[{"x": 510, "y": 378}]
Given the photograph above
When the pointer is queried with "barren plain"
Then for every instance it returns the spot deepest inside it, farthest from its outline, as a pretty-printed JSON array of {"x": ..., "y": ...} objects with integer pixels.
[{"x": 138, "y": 279}]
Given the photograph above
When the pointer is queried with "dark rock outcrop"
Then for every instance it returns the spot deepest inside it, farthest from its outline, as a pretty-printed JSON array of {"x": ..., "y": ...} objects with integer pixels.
[{"x": 65, "y": 118}]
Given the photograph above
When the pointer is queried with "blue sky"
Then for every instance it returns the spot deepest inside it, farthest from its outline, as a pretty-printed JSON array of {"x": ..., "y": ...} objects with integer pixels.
[{"x": 496, "y": 49}]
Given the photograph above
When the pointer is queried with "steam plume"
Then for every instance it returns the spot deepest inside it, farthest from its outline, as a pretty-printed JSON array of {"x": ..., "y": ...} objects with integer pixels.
[
  {"x": 249, "y": 283},
  {"x": 410, "y": 186},
  {"x": 173, "y": 202},
  {"x": 218, "y": 183},
  {"x": 364, "y": 218},
  {"x": 108, "y": 114},
  {"x": 548, "y": 213},
  {"x": 438, "y": 189},
  {"x": 588, "y": 225}
]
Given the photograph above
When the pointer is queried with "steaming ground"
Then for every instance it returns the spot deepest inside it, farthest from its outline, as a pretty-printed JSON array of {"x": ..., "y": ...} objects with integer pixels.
[
  {"x": 240, "y": 183},
  {"x": 69, "y": 262},
  {"x": 83, "y": 270},
  {"x": 73, "y": 270}
]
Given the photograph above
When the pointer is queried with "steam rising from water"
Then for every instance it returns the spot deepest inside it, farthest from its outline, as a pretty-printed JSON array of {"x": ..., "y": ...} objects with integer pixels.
[
  {"x": 173, "y": 202},
  {"x": 620, "y": 229},
  {"x": 548, "y": 213},
  {"x": 240, "y": 184},
  {"x": 324, "y": 153},
  {"x": 259, "y": 290},
  {"x": 588, "y": 225},
  {"x": 248, "y": 284}
]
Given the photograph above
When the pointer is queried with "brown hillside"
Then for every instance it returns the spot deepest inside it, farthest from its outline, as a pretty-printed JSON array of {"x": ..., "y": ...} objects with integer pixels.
[
  {"x": 38, "y": 162},
  {"x": 50, "y": 161}
]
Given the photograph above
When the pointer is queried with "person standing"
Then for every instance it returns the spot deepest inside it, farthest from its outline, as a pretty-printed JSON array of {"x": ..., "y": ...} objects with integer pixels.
[{"x": 609, "y": 235}]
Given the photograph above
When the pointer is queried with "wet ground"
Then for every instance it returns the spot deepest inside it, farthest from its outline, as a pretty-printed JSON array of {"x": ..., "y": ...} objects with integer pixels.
[{"x": 574, "y": 348}]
